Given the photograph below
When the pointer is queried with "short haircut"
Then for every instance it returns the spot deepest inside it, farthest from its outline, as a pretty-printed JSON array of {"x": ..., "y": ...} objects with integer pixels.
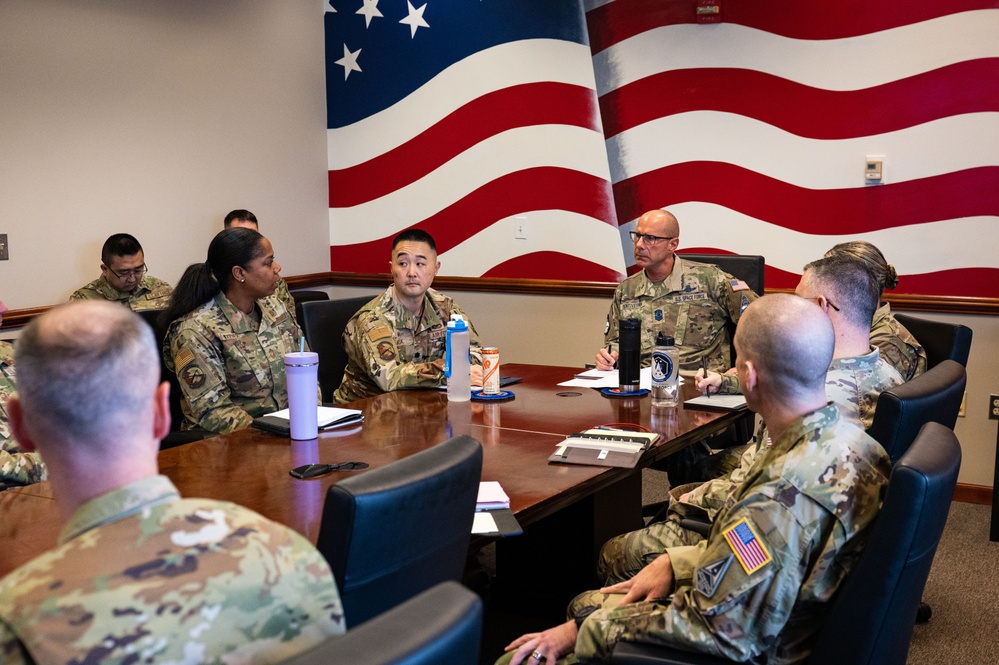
[
  {"x": 789, "y": 339},
  {"x": 415, "y": 235},
  {"x": 240, "y": 215},
  {"x": 849, "y": 285},
  {"x": 871, "y": 258},
  {"x": 120, "y": 244},
  {"x": 85, "y": 370}
]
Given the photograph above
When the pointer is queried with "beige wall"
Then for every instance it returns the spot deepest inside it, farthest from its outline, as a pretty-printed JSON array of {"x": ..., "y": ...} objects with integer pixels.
[{"x": 156, "y": 118}]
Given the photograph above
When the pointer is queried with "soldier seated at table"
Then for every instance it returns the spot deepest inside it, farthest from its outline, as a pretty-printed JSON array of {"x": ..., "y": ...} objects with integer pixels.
[
  {"x": 247, "y": 220},
  {"x": 140, "y": 574},
  {"x": 17, "y": 466},
  {"x": 123, "y": 277},
  {"x": 397, "y": 341},
  {"x": 757, "y": 588}
]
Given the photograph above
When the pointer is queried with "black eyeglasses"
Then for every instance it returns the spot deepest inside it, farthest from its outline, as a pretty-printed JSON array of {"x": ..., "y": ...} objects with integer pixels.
[
  {"x": 125, "y": 274},
  {"x": 649, "y": 239},
  {"x": 315, "y": 470},
  {"x": 828, "y": 302}
]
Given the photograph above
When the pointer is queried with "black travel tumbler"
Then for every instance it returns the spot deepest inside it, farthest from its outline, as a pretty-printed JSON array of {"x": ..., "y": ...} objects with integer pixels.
[{"x": 629, "y": 353}]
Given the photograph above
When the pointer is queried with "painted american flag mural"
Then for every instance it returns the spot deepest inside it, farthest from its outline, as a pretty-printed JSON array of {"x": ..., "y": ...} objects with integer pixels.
[
  {"x": 467, "y": 118},
  {"x": 754, "y": 131}
]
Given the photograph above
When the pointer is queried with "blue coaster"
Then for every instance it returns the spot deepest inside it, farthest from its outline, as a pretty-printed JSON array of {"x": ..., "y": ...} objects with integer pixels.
[
  {"x": 616, "y": 392},
  {"x": 501, "y": 396}
]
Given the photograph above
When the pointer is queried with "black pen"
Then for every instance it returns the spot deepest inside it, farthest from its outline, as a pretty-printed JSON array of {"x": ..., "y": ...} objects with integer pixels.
[
  {"x": 613, "y": 362},
  {"x": 707, "y": 390}
]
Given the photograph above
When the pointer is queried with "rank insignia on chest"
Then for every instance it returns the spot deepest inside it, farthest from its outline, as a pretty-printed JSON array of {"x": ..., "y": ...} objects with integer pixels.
[
  {"x": 711, "y": 575},
  {"x": 658, "y": 315},
  {"x": 748, "y": 548}
]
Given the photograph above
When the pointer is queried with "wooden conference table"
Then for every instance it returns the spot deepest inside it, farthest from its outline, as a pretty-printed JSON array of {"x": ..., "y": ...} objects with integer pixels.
[{"x": 568, "y": 505}]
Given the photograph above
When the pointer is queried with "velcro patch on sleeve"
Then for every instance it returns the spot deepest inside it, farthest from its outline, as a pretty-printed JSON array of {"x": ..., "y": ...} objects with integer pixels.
[
  {"x": 747, "y": 546},
  {"x": 184, "y": 358},
  {"x": 379, "y": 332},
  {"x": 739, "y": 285},
  {"x": 711, "y": 575}
]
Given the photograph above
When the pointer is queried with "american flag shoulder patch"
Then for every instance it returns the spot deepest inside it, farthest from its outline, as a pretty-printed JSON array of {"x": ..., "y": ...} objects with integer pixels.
[
  {"x": 739, "y": 285},
  {"x": 749, "y": 550}
]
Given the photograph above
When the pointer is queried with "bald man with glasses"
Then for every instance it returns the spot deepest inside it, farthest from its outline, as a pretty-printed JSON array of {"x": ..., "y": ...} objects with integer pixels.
[{"x": 687, "y": 300}]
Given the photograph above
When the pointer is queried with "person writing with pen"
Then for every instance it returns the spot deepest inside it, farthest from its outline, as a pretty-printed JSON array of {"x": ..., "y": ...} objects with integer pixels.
[{"x": 689, "y": 301}]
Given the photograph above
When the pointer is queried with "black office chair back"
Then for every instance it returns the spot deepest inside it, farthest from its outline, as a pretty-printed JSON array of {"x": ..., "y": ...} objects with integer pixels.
[
  {"x": 323, "y": 323},
  {"x": 876, "y": 607},
  {"x": 392, "y": 532},
  {"x": 871, "y": 618},
  {"x": 301, "y": 297},
  {"x": 941, "y": 341},
  {"x": 934, "y": 396},
  {"x": 440, "y": 625},
  {"x": 747, "y": 267},
  {"x": 176, "y": 436}
]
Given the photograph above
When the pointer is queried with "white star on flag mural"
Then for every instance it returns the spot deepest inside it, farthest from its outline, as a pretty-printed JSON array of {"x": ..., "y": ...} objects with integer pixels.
[
  {"x": 415, "y": 19},
  {"x": 369, "y": 10},
  {"x": 349, "y": 61}
]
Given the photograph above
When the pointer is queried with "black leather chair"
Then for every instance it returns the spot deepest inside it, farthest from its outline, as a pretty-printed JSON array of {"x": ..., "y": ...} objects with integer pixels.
[
  {"x": 176, "y": 436},
  {"x": 395, "y": 531},
  {"x": 323, "y": 323},
  {"x": 871, "y": 618},
  {"x": 934, "y": 396},
  {"x": 942, "y": 341},
  {"x": 441, "y": 625},
  {"x": 747, "y": 267},
  {"x": 301, "y": 297}
]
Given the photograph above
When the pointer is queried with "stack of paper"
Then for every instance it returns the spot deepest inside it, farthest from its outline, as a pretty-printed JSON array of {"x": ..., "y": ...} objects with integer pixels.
[{"x": 491, "y": 497}]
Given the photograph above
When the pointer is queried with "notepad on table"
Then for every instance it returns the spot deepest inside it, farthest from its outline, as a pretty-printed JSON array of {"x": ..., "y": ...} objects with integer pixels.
[
  {"x": 491, "y": 496},
  {"x": 602, "y": 447},
  {"x": 329, "y": 417}
]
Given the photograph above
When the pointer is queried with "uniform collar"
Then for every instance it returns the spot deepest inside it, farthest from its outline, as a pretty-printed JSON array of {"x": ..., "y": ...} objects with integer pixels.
[
  {"x": 105, "y": 288},
  {"x": 118, "y": 504},
  {"x": 856, "y": 363},
  {"x": 406, "y": 319},
  {"x": 672, "y": 282}
]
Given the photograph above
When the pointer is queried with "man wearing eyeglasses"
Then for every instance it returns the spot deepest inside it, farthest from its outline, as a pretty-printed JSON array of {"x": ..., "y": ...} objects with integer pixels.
[
  {"x": 690, "y": 301},
  {"x": 123, "y": 277}
]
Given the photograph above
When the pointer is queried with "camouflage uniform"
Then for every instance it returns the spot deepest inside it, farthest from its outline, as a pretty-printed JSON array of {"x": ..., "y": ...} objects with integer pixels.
[
  {"x": 16, "y": 467},
  {"x": 852, "y": 384},
  {"x": 231, "y": 368},
  {"x": 389, "y": 348},
  {"x": 898, "y": 347},
  {"x": 693, "y": 305},
  {"x": 282, "y": 293},
  {"x": 149, "y": 293},
  {"x": 141, "y": 575},
  {"x": 807, "y": 502}
]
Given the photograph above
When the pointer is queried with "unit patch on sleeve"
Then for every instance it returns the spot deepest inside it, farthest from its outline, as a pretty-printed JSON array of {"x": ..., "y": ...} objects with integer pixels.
[
  {"x": 711, "y": 575},
  {"x": 747, "y": 546}
]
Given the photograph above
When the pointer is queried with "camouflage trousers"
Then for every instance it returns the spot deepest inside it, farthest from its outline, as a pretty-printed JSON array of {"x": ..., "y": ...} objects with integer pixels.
[{"x": 623, "y": 556}]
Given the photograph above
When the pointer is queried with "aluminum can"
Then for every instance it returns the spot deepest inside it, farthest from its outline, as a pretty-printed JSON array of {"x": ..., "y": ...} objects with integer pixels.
[{"x": 490, "y": 371}]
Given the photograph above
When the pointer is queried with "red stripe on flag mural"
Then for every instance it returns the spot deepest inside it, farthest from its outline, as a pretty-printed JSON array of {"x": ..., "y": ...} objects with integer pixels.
[
  {"x": 805, "y": 110},
  {"x": 491, "y": 114},
  {"x": 969, "y": 193},
  {"x": 619, "y": 20}
]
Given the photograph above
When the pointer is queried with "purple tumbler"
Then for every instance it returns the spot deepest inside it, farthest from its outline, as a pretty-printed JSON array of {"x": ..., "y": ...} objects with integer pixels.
[{"x": 302, "y": 371}]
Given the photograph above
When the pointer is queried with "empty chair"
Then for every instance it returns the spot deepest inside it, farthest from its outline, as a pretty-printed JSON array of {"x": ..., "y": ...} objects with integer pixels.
[
  {"x": 441, "y": 625},
  {"x": 942, "y": 341},
  {"x": 871, "y": 618},
  {"x": 392, "y": 532},
  {"x": 934, "y": 396},
  {"x": 323, "y": 323}
]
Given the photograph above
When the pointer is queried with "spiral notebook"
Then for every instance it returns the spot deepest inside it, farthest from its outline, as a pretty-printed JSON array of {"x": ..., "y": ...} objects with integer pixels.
[{"x": 600, "y": 447}]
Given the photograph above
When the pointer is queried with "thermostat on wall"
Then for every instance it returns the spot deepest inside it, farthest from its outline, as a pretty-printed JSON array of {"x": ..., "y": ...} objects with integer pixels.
[{"x": 874, "y": 170}]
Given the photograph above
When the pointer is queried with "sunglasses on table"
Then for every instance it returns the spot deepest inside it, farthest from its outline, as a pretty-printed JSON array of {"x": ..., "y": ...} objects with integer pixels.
[{"x": 307, "y": 471}]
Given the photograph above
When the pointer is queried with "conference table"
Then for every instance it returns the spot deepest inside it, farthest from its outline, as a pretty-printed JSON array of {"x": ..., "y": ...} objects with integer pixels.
[{"x": 562, "y": 507}]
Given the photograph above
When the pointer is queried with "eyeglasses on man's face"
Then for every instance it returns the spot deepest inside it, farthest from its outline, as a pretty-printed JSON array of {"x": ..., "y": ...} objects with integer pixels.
[
  {"x": 125, "y": 274},
  {"x": 650, "y": 240}
]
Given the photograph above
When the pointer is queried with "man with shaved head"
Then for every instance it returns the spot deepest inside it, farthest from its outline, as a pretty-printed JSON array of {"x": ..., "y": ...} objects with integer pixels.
[
  {"x": 687, "y": 300},
  {"x": 140, "y": 574},
  {"x": 788, "y": 536}
]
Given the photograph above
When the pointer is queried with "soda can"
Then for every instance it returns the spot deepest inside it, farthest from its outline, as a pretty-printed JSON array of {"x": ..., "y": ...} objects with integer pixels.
[{"x": 490, "y": 371}]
